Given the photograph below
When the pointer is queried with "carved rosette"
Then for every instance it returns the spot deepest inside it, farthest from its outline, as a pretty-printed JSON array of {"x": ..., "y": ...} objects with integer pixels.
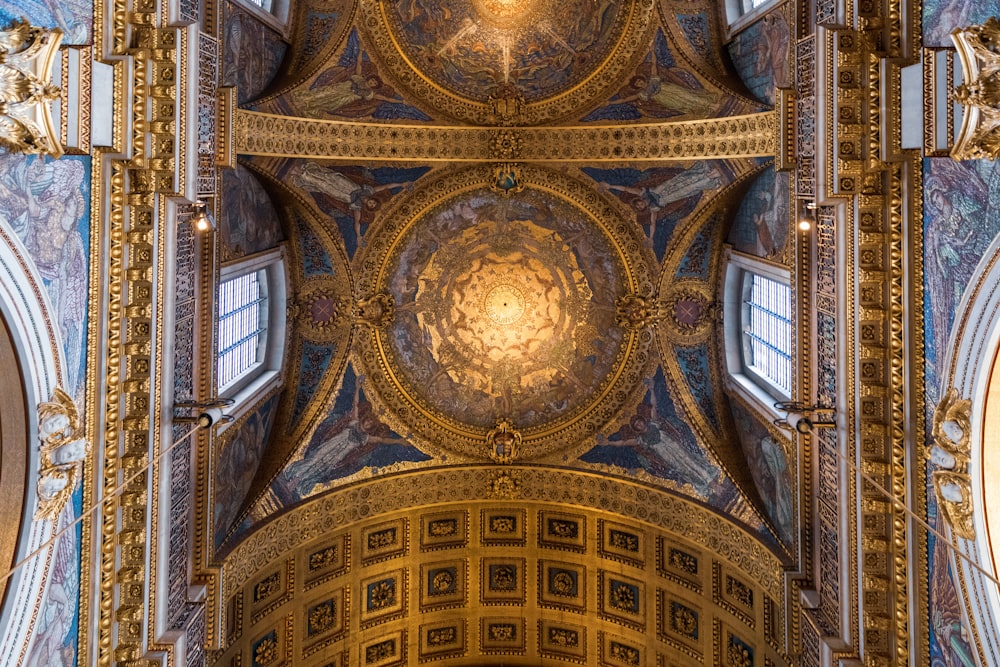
[
  {"x": 685, "y": 313},
  {"x": 322, "y": 308},
  {"x": 27, "y": 54},
  {"x": 950, "y": 455}
]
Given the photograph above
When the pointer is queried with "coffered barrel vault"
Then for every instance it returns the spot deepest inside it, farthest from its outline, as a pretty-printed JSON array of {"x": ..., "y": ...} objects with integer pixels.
[
  {"x": 650, "y": 332},
  {"x": 513, "y": 566}
]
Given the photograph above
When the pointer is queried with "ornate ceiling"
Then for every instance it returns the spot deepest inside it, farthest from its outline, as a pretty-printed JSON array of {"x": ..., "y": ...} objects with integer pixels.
[{"x": 514, "y": 313}]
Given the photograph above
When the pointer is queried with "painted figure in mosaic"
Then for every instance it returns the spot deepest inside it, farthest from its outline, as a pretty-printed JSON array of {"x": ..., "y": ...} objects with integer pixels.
[
  {"x": 692, "y": 182},
  {"x": 249, "y": 222},
  {"x": 671, "y": 90},
  {"x": 42, "y": 201},
  {"x": 352, "y": 88},
  {"x": 662, "y": 450},
  {"x": 237, "y": 466},
  {"x": 349, "y": 194},
  {"x": 337, "y": 443},
  {"x": 772, "y": 50}
]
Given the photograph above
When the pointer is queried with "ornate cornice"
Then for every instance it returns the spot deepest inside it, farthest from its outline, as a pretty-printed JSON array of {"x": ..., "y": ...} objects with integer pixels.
[{"x": 753, "y": 135}]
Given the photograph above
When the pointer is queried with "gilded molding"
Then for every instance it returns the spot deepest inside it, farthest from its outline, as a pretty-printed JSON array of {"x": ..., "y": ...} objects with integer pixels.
[
  {"x": 753, "y": 135},
  {"x": 27, "y": 54},
  {"x": 634, "y": 501},
  {"x": 979, "y": 136}
]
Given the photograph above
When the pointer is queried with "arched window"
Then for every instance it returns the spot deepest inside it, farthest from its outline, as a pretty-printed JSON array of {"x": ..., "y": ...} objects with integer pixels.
[
  {"x": 758, "y": 322},
  {"x": 250, "y": 331},
  {"x": 766, "y": 320},
  {"x": 242, "y": 326}
]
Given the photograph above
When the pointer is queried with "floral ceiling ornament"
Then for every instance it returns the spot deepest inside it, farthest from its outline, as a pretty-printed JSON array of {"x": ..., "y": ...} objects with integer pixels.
[
  {"x": 503, "y": 441},
  {"x": 978, "y": 49},
  {"x": 505, "y": 486},
  {"x": 950, "y": 453},
  {"x": 377, "y": 311},
  {"x": 62, "y": 450},
  {"x": 27, "y": 54},
  {"x": 634, "y": 312}
]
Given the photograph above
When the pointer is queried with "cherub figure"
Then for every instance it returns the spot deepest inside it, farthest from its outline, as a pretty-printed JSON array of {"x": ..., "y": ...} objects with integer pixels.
[{"x": 62, "y": 451}]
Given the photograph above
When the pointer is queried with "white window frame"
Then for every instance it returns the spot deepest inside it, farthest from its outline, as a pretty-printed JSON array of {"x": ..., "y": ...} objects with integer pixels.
[
  {"x": 263, "y": 375},
  {"x": 737, "y": 17},
  {"x": 755, "y": 389},
  {"x": 276, "y": 16}
]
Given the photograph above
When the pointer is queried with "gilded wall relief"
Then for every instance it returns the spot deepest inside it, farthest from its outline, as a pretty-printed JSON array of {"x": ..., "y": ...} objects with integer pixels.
[
  {"x": 504, "y": 307},
  {"x": 491, "y": 62}
]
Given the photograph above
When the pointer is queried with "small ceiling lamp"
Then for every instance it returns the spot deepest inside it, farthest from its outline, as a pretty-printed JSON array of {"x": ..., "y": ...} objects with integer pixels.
[
  {"x": 201, "y": 218},
  {"x": 808, "y": 218}
]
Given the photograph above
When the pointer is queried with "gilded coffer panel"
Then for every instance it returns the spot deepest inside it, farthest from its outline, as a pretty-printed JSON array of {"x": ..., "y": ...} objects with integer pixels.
[{"x": 508, "y": 579}]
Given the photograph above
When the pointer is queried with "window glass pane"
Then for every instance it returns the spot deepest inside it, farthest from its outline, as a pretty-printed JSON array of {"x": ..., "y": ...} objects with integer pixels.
[
  {"x": 242, "y": 325},
  {"x": 769, "y": 331},
  {"x": 266, "y": 4}
]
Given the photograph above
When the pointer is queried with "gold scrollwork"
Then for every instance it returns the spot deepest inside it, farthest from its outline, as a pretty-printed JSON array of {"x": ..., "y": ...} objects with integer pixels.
[
  {"x": 950, "y": 453},
  {"x": 63, "y": 450},
  {"x": 503, "y": 441},
  {"x": 980, "y": 94},
  {"x": 27, "y": 54}
]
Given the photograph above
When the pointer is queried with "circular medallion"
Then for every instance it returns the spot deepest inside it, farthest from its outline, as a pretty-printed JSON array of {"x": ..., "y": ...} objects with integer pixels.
[
  {"x": 522, "y": 61},
  {"x": 505, "y": 309},
  {"x": 687, "y": 311}
]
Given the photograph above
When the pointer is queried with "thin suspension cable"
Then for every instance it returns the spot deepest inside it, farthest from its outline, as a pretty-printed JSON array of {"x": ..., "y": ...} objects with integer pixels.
[
  {"x": 922, "y": 522},
  {"x": 114, "y": 493}
]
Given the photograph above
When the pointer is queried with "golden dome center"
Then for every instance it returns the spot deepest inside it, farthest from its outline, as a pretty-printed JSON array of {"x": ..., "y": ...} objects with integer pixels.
[
  {"x": 505, "y": 14},
  {"x": 504, "y": 304}
]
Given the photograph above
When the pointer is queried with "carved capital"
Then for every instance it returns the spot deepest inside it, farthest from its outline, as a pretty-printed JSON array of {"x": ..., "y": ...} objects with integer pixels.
[{"x": 27, "y": 54}]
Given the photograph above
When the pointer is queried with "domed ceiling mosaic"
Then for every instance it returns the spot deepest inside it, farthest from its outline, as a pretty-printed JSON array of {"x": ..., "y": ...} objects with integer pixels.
[
  {"x": 473, "y": 59},
  {"x": 505, "y": 312},
  {"x": 507, "y": 296}
]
